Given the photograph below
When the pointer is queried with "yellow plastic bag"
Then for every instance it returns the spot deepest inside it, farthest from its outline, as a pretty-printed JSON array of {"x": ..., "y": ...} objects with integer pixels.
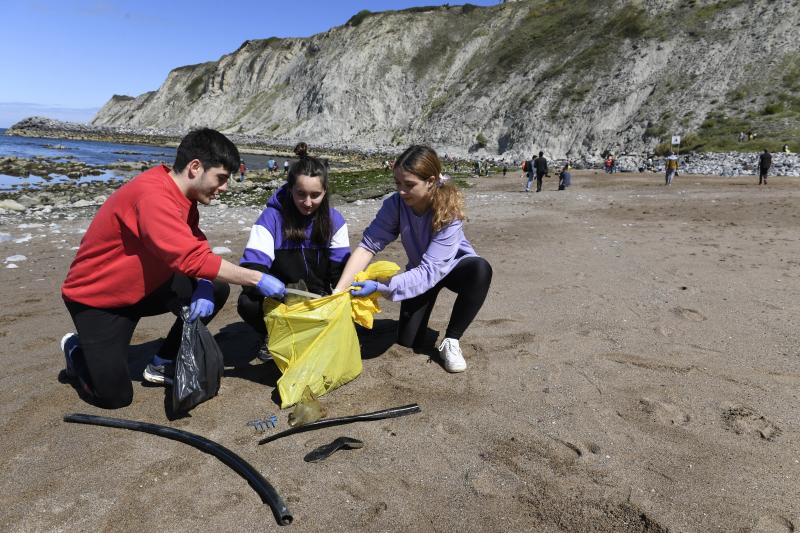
[
  {"x": 314, "y": 344},
  {"x": 365, "y": 307}
]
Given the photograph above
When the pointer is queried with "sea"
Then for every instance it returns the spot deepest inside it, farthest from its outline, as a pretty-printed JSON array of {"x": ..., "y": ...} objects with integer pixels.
[
  {"x": 96, "y": 153},
  {"x": 91, "y": 152}
]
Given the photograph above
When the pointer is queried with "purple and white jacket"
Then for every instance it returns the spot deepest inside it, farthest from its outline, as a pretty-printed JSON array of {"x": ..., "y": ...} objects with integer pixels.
[{"x": 319, "y": 266}]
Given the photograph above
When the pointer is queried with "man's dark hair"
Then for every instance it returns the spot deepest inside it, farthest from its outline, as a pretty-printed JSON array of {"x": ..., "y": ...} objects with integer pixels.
[
  {"x": 211, "y": 147},
  {"x": 541, "y": 154}
]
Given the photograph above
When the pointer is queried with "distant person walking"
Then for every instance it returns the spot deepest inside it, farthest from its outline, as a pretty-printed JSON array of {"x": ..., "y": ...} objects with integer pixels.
[
  {"x": 285, "y": 167},
  {"x": 671, "y": 168},
  {"x": 565, "y": 177},
  {"x": 764, "y": 162},
  {"x": 540, "y": 165},
  {"x": 527, "y": 168},
  {"x": 242, "y": 170}
]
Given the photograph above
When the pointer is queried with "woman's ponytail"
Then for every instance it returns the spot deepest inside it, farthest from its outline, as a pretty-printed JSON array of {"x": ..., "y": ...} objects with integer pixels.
[{"x": 447, "y": 205}]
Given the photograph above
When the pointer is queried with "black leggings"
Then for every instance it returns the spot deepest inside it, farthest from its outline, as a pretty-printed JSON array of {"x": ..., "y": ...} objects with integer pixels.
[
  {"x": 470, "y": 280},
  {"x": 251, "y": 309},
  {"x": 106, "y": 333}
]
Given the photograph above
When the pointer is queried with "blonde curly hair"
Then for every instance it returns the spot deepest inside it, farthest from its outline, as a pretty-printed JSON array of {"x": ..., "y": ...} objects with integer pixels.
[{"x": 447, "y": 201}]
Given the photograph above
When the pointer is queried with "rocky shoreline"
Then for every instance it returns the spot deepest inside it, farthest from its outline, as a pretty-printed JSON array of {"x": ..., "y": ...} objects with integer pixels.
[
  {"x": 725, "y": 164},
  {"x": 56, "y": 129},
  {"x": 61, "y": 200},
  {"x": 713, "y": 164},
  {"x": 50, "y": 199}
]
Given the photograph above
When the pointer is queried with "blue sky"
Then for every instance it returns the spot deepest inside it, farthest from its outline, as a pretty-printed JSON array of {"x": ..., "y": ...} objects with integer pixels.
[{"x": 68, "y": 57}]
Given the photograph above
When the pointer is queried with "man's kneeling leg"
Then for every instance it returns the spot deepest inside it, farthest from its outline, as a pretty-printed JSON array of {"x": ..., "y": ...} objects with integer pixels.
[{"x": 104, "y": 338}]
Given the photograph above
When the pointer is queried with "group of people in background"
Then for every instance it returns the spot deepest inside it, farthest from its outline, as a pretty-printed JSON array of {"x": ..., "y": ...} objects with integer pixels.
[
  {"x": 272, "y": 167},
  {"x": 671, "y": 167},
  {"x": 144, "y": 254},
  {"x": 536, "y": 168}
]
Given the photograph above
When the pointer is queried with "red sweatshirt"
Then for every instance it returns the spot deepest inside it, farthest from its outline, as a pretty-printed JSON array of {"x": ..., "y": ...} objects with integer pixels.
[{"x": 146, "y": 231}]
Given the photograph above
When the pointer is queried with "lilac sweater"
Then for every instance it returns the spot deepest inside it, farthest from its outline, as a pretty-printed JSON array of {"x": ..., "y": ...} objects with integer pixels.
[{"x": 431, "y": 256}]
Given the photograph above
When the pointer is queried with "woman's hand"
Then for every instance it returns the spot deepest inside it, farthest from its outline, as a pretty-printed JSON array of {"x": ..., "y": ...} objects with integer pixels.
[
  {"x": 358, "y": 261},
  {"x": 367, "y": 287}
]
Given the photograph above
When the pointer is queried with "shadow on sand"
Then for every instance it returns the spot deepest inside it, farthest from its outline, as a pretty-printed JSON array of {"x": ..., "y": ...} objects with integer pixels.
[{"x": 240, "y": 344}]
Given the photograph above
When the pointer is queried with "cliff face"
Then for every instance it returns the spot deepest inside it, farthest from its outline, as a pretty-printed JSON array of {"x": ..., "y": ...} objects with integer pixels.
[{"x": 570, "y": 77}]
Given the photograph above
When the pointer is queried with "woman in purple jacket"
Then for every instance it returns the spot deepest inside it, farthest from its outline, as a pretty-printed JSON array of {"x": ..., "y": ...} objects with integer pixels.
[{"x": 427, "y": 212}]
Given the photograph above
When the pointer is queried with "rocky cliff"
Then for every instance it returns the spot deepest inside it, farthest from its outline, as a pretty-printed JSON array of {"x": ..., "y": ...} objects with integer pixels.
[{"x": 569, "y": 77}]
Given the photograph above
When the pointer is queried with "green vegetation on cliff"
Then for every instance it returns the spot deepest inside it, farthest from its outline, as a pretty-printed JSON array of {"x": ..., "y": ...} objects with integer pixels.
[{"x": 768, "y": 107}]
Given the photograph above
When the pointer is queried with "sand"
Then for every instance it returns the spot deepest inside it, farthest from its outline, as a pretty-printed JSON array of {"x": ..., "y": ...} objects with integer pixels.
[{"x": 635, "y": 368}]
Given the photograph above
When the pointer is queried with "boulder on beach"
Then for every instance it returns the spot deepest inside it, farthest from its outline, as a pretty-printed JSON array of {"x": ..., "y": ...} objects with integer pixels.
[{"x": 11, "y": 205}]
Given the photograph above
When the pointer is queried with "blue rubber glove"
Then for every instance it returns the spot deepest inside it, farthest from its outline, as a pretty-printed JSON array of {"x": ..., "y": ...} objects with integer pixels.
[
  {"x": 202, "y": 304},
  {"x": 271, "y": 287},
  {"x": 367, "y": 287}
]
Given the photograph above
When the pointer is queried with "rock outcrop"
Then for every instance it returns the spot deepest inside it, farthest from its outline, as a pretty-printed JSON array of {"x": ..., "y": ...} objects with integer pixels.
[{"x": 571, "y": 78}]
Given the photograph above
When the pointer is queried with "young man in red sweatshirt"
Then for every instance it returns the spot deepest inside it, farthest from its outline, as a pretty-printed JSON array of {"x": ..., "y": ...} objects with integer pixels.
[{"x": 143, "y": 255}]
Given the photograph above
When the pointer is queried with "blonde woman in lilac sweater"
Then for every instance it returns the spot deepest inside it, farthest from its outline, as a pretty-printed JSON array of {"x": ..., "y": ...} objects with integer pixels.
[{"x": 427, "y": 212}]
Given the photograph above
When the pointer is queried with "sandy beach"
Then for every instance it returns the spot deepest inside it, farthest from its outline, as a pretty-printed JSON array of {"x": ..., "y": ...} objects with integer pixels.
[{"x": 635, "y": 368}]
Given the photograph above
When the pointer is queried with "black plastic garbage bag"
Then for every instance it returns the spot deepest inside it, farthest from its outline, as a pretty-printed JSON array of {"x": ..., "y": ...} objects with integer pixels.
[{"x": 198, "y": 367}]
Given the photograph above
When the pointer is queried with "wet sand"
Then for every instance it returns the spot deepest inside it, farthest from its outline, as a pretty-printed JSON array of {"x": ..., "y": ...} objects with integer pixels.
[{"x": 635, "y": 368}]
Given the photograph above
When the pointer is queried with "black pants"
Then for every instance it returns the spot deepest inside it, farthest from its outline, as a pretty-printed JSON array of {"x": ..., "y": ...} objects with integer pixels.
[
  {"x": 539, "y": 177},
  {"x": 106, "y": 333},
  {"x": 762, "y": 175},
  {"x": 470, "y": 280},
  {"x": 251, "y": 308}
]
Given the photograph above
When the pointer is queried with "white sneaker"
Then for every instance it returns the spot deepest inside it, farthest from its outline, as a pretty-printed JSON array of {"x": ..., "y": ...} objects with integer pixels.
[
  {"x": 159, "y": 371},
  {"x": 450, "y": 353},
  {"x": 69, "y": 343}
]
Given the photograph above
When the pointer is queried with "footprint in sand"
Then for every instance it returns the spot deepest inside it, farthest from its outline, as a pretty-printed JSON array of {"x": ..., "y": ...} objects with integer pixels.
[
  {"x": 648, "y": 363},
  {"x": 744, "y": 421},
  {"x": 689, "y": 314},
  {"x": 524, "y": 337},
  {"x": 496, "y": 321},
  {"x": 568, "y": 451},
  {"x": 774, "y": 524},
  {"x": 665, "y": 413}
]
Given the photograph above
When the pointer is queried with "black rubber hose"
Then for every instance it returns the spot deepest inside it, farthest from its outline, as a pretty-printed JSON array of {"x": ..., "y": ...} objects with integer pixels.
[
  {"x": 326, "y": 422},
  {"x": 268, "y": 494}
]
